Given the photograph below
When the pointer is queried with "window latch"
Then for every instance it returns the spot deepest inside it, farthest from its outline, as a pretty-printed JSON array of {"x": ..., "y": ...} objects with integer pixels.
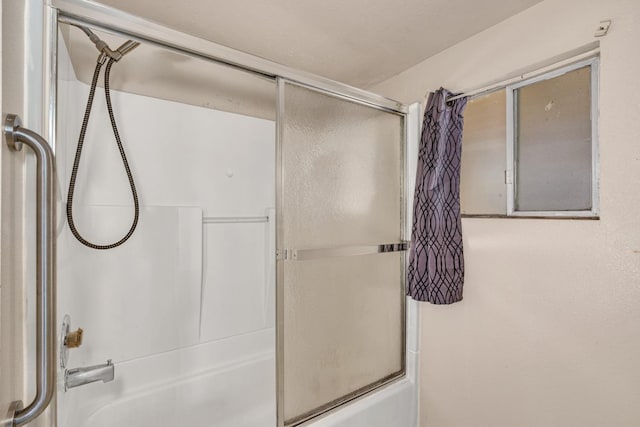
[{"x": 508, "y": 177}]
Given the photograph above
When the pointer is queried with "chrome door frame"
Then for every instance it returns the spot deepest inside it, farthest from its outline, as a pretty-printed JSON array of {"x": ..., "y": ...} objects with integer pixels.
[{"x": 401, "y": 246}]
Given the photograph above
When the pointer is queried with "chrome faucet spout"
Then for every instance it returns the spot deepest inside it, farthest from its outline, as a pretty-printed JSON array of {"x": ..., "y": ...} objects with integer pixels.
[{"x": 89, "y": 374}]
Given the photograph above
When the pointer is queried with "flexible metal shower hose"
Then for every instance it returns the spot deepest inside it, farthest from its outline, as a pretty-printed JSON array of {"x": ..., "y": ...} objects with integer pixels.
[{"x": 76, "y": 161}]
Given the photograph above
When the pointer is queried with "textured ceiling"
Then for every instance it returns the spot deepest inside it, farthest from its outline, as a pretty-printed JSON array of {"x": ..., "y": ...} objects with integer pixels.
[{"x": 359, "y": 42}]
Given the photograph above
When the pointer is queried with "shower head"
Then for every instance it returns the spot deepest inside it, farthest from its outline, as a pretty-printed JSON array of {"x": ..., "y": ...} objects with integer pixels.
[{"x": 127, "y": 47}]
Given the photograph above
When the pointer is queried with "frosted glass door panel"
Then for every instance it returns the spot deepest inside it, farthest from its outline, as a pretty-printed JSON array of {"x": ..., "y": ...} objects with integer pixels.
[
  {"x": 341, "y": 327},
  {"x": 342, "y": 164}
]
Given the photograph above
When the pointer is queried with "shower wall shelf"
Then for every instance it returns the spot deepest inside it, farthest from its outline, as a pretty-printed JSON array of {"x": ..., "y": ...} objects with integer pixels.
[{"x": 234, "y": 219}]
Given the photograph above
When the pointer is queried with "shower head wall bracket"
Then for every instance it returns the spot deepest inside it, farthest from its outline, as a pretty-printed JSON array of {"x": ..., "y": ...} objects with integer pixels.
[{"x": 105, "y": 50}]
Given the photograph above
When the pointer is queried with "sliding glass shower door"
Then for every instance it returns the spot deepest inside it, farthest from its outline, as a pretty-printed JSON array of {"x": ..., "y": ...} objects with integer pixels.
[{"x": 340, "y": 240}]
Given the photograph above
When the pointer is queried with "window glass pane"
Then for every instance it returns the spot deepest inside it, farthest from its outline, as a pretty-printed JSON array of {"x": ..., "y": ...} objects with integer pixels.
[
  {"x": 553, "y": 143},
  {"x": 482, "y": 187}
]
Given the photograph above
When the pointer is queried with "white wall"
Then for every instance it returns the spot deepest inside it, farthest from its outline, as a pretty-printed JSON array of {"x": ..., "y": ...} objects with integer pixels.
[
  {"x": 21, "y": 26},
  {"x": 11, "y": 164},
  {"x": 547, "y": 334},
  {"x": 22, "y": 87}
]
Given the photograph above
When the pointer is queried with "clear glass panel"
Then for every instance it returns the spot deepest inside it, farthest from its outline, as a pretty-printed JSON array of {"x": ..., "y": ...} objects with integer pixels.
[
  {"x": 185, "y": 308},
  {"x": 482, "y": 187},
  {"x": 553, "y": 134},
  {"x": 341, "y": 186}
]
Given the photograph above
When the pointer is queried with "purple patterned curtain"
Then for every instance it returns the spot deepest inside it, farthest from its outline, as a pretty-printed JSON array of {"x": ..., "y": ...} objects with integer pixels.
[{"x": 436, "y": 263}]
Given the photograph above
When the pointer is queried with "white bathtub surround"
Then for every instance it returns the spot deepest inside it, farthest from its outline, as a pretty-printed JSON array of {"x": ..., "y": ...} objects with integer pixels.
[
  {"x": 139, "y": 299},
  {"x": 237, "y": 292}
]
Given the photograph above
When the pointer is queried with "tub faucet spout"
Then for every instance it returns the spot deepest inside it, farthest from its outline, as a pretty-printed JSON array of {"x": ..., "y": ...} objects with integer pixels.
[{"x": 89, "y": 374}]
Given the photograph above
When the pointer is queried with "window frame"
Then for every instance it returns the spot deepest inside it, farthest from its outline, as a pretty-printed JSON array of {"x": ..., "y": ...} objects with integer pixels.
[{"x": 511, "y": 174}]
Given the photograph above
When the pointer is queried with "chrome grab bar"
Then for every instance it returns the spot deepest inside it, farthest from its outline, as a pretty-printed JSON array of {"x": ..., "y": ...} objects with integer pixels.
[{"x": 15, "y": 136}]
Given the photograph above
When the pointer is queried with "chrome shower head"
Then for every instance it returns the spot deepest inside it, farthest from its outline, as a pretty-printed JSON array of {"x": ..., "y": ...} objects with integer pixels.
[{"x": 127, "y": 47}]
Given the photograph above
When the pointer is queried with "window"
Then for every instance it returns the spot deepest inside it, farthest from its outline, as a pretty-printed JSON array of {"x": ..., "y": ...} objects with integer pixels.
[{"x": 546, "y": 127}]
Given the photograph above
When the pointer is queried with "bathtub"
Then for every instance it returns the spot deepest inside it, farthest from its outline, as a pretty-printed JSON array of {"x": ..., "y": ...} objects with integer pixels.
[{"x": 225, "y": 383}]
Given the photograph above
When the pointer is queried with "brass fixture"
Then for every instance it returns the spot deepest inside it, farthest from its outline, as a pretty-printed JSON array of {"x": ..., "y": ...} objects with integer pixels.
[{"x": 73, "y": 339}]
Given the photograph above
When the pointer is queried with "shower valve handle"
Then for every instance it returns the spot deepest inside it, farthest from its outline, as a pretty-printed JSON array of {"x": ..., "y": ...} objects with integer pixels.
[{"x": 73, "y": 339}]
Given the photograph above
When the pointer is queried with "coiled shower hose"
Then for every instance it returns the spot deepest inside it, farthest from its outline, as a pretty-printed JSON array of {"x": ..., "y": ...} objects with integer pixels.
[{"x": 76, "y": 161}]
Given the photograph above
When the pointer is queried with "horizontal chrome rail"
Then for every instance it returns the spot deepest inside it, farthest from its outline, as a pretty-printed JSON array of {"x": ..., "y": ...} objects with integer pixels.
[
  {"x": 15, "y": 136},
  {"x": 342, "y": 251},
  {"x": 234, "y": 219}
]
